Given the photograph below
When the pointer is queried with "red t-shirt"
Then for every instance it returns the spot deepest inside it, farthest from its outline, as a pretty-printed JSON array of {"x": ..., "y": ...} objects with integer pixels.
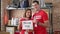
[
  {"x": 40, "y": 16},
  {"x": 23, "y": 31}
]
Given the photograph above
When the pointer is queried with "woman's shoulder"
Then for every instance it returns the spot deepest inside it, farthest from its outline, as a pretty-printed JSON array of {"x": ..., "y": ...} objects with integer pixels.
[{"x": 21, "y": 19}]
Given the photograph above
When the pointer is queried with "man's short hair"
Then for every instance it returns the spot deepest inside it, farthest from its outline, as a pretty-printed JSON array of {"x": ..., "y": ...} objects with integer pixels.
[{"x": 36, "y": 2}]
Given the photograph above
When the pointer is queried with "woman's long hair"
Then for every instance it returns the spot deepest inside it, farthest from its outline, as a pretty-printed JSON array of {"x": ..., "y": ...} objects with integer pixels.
[{"x": 26, "y": 12}]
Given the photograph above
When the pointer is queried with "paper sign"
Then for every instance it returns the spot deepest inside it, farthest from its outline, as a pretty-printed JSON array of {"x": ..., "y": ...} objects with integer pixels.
[
  {"x": 10, "y": 30},
  {"x": 27, "y": 25}
]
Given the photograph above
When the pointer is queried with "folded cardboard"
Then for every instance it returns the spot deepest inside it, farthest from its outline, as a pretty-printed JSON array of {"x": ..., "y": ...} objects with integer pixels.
[{"x": 4, "y": 33}]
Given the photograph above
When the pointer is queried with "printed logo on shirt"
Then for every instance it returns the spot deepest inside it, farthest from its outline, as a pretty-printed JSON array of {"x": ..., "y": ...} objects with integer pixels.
[{"x": 38, "y": 17}]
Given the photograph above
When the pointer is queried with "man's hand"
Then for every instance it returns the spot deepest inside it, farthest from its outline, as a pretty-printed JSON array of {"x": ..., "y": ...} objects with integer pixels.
[{"x": 34, "y": 21}]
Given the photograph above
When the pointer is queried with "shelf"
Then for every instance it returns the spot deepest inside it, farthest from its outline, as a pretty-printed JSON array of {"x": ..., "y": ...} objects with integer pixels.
[
  {"x": 11, "y": 26},
  {"x": 11, "y": 8}
]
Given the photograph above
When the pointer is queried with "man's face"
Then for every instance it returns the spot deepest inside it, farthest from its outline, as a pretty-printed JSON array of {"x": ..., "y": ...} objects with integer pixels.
[{"x": 35, "y": 5}]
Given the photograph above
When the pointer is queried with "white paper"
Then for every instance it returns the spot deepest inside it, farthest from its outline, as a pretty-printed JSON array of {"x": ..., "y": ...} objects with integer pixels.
[
  {"x": 27, "y": 25},
  {"x": 10, "y": 30}
]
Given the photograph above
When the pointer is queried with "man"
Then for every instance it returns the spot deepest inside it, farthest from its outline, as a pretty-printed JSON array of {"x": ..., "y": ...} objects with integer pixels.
[{"x": 40, "y": 19}]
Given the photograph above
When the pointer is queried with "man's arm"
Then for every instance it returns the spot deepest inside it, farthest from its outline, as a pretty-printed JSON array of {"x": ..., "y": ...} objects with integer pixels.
[
  {"x": 45, "y": 24},
  {"x": 45, "y": 19}
]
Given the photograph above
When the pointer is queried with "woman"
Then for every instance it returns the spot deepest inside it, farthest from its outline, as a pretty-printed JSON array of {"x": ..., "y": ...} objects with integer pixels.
[{"x": 27, "y": 16}]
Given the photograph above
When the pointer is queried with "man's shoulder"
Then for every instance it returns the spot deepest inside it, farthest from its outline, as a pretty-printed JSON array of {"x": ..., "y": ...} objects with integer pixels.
[{"x": 42, "y": 11}]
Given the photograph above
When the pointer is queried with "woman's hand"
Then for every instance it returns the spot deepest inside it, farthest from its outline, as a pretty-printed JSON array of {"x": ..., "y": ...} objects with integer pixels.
[{"x": 29, "y": 30}]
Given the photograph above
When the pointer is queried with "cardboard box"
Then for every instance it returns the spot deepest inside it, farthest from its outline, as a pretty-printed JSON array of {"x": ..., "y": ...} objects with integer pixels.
[
  {"x": 4, "y": 33},
  {"x": 10, "y": 29}
]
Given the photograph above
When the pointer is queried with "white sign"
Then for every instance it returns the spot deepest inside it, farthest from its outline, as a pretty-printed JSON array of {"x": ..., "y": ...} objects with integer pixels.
[
  {"x": 10, "y": 30},
  {"x": 27, "y": 25}
]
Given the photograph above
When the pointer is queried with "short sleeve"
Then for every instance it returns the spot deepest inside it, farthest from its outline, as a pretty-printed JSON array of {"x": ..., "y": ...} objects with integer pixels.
[{"x": 45, "y": 16}]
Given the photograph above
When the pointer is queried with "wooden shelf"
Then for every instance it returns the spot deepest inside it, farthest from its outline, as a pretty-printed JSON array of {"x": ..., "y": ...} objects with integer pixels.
[{"x": 11, "y": 8}]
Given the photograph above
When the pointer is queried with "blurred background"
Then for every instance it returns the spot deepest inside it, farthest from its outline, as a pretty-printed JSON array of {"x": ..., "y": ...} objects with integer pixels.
[{"x": 15, "y": 9}]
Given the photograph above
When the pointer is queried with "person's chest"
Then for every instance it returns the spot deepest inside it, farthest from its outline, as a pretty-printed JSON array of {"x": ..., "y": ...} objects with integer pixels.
[{"x": 37, "y": 16}]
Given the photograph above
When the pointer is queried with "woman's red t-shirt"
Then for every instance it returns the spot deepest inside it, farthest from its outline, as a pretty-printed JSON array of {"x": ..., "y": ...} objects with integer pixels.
[{"x": 23, "y": 31}]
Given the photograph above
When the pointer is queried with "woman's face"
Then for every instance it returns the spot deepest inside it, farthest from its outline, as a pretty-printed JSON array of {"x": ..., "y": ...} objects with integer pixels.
[{"x": 28, "y": 13}]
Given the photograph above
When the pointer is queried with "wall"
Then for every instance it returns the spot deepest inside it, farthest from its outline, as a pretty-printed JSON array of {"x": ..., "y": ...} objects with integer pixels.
[
  {"x": 3, "y": 6},
  {"x": 56, "y": 12}
]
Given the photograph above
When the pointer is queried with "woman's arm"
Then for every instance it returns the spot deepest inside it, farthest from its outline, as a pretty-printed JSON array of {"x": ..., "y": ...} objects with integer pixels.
[{"x": 19, "y": 26}]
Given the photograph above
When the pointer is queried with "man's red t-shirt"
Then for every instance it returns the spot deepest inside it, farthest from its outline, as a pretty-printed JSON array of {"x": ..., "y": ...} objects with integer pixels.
[{"x": 40, "y": 16}]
